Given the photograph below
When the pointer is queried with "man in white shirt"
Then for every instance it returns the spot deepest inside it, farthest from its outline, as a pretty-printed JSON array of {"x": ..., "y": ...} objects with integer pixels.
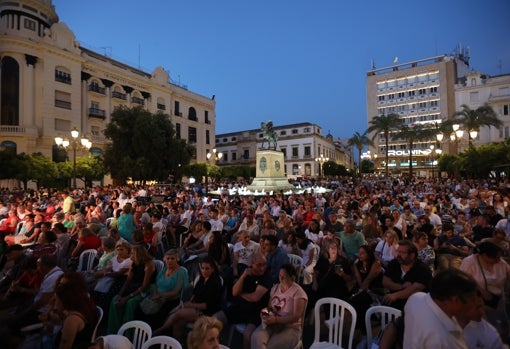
[
  {"x": 430, "y": 319},
  {"x": 216, "y": 223}
]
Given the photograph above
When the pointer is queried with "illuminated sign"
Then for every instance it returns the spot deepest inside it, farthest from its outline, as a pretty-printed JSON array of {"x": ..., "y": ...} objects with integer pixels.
[{"x": 406, "y": 152}]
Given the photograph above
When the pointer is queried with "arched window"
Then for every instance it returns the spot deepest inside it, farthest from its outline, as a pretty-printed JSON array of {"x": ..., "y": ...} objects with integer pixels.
[
  {"x": 9, "y": 146},
  {"x": 192, "y": 114},
  {"x": 10, "y": 92}
]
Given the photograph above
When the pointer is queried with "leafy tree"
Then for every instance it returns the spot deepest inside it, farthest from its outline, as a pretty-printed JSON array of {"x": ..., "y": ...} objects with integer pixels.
[
  {"x": 198, "y": 171},
  {"x": 384, "y": 124},
  {"x": 89, "y": 169},
  {"x": 473, "y": 119},
  {"x": 143, "y": 146},
  {"x": 234, "y": 172},
  {"x": 38, "y": 168},
  {"x": 332, "y": 169},
  {"x": 359, "y": 141},
  {"x": 367, "y": 166}
]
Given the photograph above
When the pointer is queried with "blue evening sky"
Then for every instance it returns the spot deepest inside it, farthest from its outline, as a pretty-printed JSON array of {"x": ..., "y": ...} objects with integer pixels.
[{"x": 288, "y": 60}]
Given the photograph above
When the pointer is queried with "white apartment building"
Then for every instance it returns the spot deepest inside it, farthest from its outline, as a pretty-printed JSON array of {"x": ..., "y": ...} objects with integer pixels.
[
  {"x": 477, "y": 89},
  {"x": 301, "y": 144},
  {"x": 50, "y": 85},
  {"x": 420, "y": 91}
]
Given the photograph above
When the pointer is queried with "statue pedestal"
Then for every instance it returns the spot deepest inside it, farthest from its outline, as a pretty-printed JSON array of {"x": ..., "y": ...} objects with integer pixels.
[{"x": 270, "y": 175}]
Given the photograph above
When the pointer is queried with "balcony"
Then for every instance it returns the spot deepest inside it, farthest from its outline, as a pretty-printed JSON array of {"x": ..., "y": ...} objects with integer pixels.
[
  {"x": 208, "y": 122},
  {"x": 161, "y": 106},
  {"x": 61, "y": 76},
  {"x": 10, "y": 129},
  {"x": 119, "y": 95},
  {"x": 137, "y": 100},
  {"x": 177, "y": 113},
  {"x": 62, "y": 104},
  {"x": 97, "y": 113},
  {"x": 96, "y": 88}
]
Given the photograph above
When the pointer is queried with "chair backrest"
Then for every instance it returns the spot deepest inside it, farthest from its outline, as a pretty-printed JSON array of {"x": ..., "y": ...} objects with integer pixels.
[
  {"x": 86, "y": 261},
  {"x": 159, "y": 265},
  {"x": 388, "y": 314},
  {"x": 223, "y": 346},
  {"x": 164, "y": 342},
  {"x": 100, "y": 314},
  {"x": 335, "y": 311},
  {"x": 141, "y": 332},
  {"x": 108, "y": 221},
  {"x": 297, "y": 262}
]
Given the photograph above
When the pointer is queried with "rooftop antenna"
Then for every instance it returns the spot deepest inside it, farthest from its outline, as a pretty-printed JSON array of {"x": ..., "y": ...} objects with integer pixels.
[
  {"x": 500, "y": 66},
  {"x": 373, "y": 64},
  {"x": 395, "y": 60},
  {"x": 139, "y": 56}
]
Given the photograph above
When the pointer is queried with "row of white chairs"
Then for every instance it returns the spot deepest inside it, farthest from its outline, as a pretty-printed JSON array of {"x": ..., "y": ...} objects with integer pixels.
[
  {"x": 141, "y": 336},
  {"x": 336, "y": 318}
]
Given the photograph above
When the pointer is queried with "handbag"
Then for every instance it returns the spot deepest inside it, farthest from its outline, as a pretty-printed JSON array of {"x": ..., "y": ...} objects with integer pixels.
[{"x": 151, "y": 306}]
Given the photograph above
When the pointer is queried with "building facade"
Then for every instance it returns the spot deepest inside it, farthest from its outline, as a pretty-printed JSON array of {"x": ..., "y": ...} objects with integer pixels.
[
  {"x": 50, "y": 85},
  {"x": 420, "y": 92},
  {"x": 477, "y": 89},
  {"x": 301, "y": 144}
]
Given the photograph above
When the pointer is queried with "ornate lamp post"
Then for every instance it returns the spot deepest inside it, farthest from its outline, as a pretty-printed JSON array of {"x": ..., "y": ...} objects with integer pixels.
[
  {"x": 215, "y": 156},
  {"x": 75, "y": 143},
  {"x": 321, "y": 160}
]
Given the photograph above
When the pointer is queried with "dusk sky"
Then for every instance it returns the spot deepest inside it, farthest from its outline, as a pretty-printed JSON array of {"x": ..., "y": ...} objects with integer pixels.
[{"x": 288, "y": 61}]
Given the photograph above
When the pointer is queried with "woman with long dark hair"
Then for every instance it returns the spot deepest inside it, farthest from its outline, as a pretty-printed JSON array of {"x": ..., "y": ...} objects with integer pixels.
[{"x": 206, "y": 300}]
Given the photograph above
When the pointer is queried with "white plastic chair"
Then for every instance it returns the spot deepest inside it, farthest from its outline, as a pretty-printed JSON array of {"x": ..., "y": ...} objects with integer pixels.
[
  {"x": 86, "y": 261},
  {"x": 100, "y": 314},
  {"x": 297, "y": 262},
  {"x": 223, "y": 346},
  {"x": 388, "y": 314},
  {"x": 141, "y": 332},
  {"x": 335, "y": 323},
  {"x": 164, "y": 342},
  {"x": 159, "y": 265}
]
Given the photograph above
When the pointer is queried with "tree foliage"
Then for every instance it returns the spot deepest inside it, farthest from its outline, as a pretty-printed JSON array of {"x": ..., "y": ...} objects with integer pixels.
[
  {"x": 359, "y": 141},
  {"x": 385, "y": 124},
  {"x": 332, "y": 169},
  {"x": 142, "y": 146},
  {"x": 473, "y": 119}
]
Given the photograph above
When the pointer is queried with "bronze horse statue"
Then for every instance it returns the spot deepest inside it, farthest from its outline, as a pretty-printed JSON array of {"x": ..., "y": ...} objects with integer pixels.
[{"x": 269, "y": 135}]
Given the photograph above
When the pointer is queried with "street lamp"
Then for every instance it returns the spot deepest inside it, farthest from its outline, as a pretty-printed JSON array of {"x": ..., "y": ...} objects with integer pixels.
[
  {"x": 215, "y": 156},
  {"x": 321, "y": 160},
  {"x": 75, "y": 143}
]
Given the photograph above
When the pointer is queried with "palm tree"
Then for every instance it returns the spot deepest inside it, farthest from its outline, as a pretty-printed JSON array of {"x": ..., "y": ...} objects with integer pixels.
[
  {"x": 359, "y": 141},
  {"x": 384, "y": 124},
  {"x": 473, "y": 119},
  {"x": 412, "y": 134}
]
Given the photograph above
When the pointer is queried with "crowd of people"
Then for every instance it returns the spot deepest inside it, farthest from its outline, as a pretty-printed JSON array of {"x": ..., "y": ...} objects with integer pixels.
[{"x": 171, "y": 256}]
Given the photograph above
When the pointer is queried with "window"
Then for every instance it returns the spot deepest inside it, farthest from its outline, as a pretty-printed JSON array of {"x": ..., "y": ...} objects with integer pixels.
[
  {"x": 295, "y": 131},
  {"x": 95, "y": 130},
  {"x": 283, "y": 133},
  {"x": 246, "y": 154},
  {"x": 206, "y": 117},
  {"x": 506, "y": 132},
  {"x": 295, "y": 152},
  {"x": 284, "y": 151},
  {"x": 401, "y": 94},
  {"x": 178, "y": 131},
  {"x": 62, "y": 100},
  {"x": 506, "y": 109},
  {"x": 433, "y": 89},
  {"x": 391, "y": 96},
  {"x": 261, "y": 135},
  {"x": 29, "y": 24},
  {"x": 207, "y": 137},
  {"x": 234, "y": 156},
  {"x": 411, "y": 93},
  {"x": 62, "y": 76},
  {"x": 225, "y": 140},
  {"x": 161, "y": 104},
  {"x": 62, "y": 125},
  {"x": 422, "y": 91},
  {"x": 177, "y": 110},
  {"x": 308, "y": 151},
  {"x": 381, "y": 98},
  {"x": 434, "y": 103},
  {"x": 192, "y": 114},
  {"x": 233, "y": 139},
  {"x": 306, "y": 130},
  {"x": 192, "y": 134},
  {"x": 9, "y": 91}
]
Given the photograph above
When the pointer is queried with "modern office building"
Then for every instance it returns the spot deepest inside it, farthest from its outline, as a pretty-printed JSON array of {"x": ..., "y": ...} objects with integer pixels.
[
  {"x": 51, "y": 85},
  {"x": 421, "y": 91},
  {"x": 303, "y": 145}
]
